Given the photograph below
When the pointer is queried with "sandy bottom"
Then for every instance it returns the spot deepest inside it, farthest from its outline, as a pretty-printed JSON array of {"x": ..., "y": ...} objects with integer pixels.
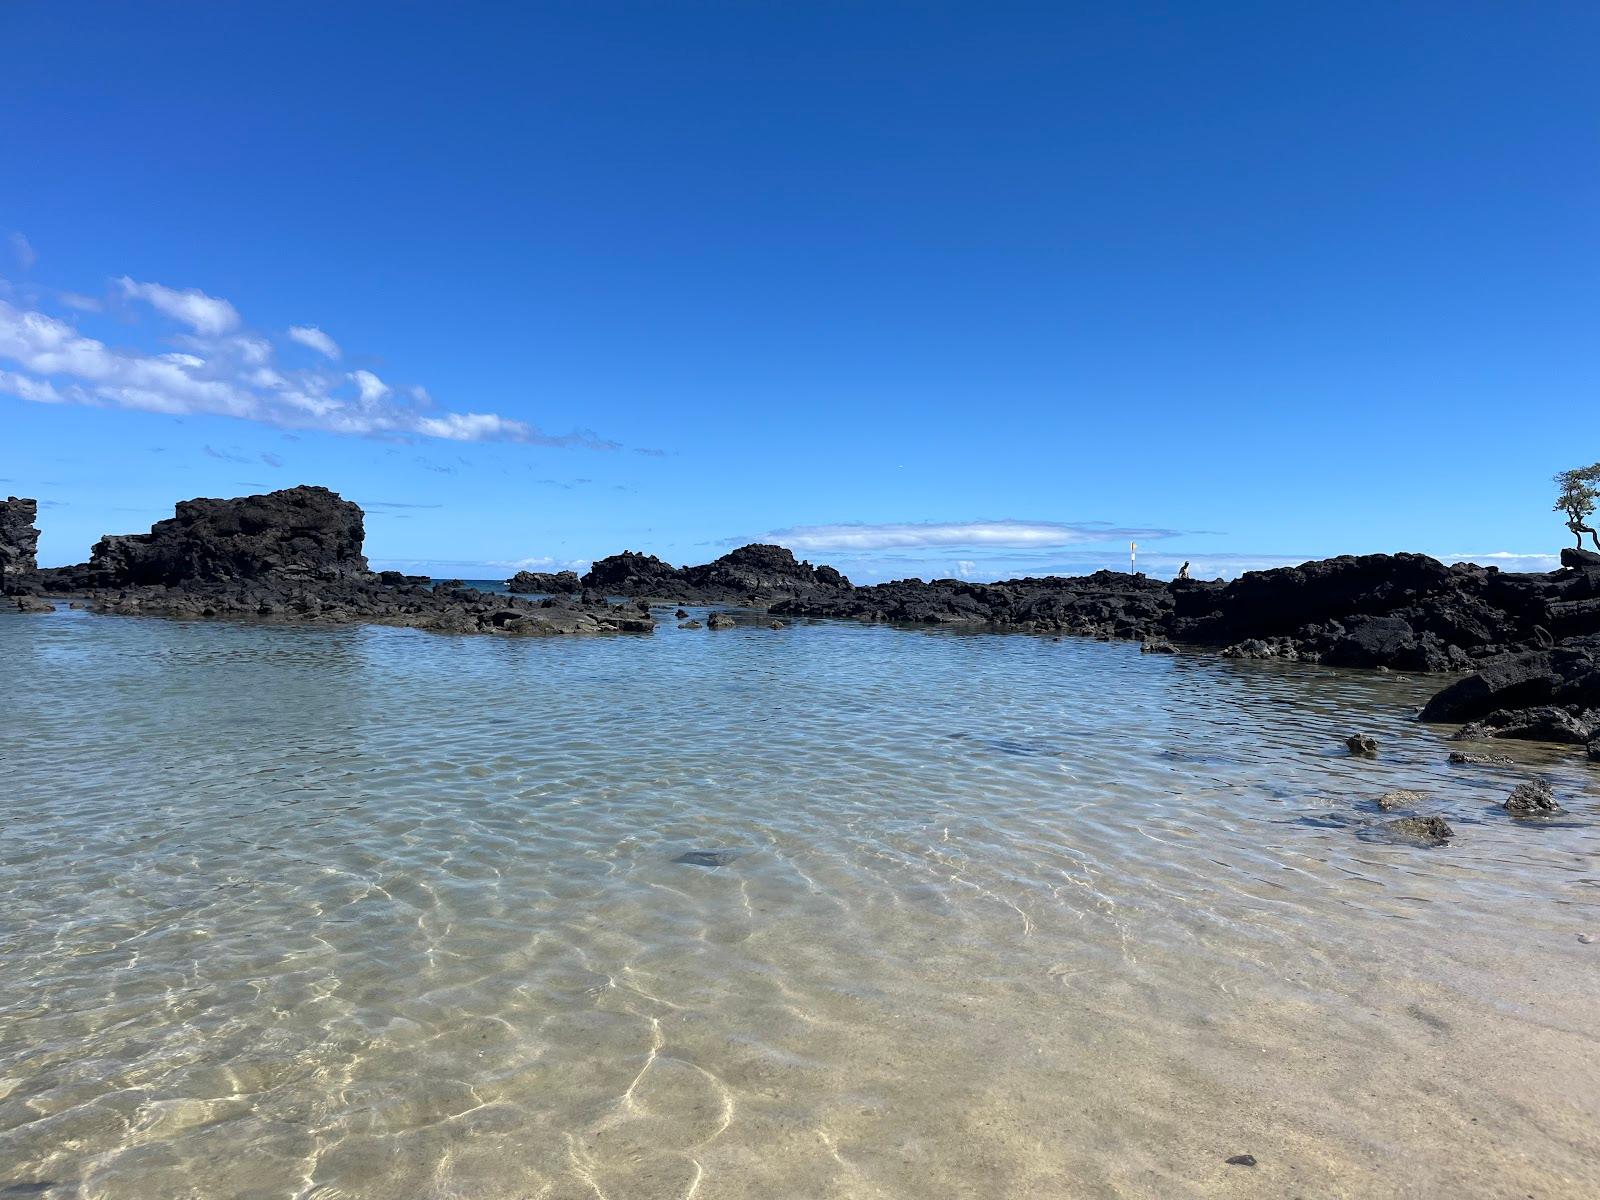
[{"x": 378, "y": 914}]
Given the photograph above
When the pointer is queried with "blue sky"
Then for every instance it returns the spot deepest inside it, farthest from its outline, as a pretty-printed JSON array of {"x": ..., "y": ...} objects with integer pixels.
[{"x": 915, "y": 289}]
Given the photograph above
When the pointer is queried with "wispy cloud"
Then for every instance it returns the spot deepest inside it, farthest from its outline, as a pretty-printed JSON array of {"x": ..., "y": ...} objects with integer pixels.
[
  {"x": 310, "y": 335},
  {"x": 1508, "y": 559},
  {"x": 544, "y": 562},
  {"x": 219, "y": 368},
  {"x": 271, "y": 459},
  {"x": 225, "y": 456},
  {"x": 206, "y": 315},
  {"x": 1007, "y": 533},
  {"x": 23, "y": 249}
]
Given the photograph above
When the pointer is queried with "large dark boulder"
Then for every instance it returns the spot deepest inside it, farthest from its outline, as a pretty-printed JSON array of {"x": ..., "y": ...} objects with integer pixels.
[
  {"x": 1566, "y": 675},
  {"x": 558, "y": 583},
  {"x": 1570, "y": 724},
  {"x": 764, "y": 572},
  {"x": 302, "y": 532},
  {"x": 19, "y": 541},
  {"x": 631, "y": 574},
  {"x": 754, "y": 574}
]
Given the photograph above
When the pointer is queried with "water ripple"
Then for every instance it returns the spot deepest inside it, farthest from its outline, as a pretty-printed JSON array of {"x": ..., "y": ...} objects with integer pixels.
[{"x": 826, "y": 911}]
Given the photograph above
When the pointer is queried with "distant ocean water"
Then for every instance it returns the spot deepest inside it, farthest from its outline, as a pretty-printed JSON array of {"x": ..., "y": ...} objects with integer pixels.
[{"x": 369, "y": 912}]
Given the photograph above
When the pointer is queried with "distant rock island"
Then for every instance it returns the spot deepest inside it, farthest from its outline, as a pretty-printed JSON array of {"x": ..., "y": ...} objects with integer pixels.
[
  {"x": 1528, "y": 645},
  {"x": 754, "y": 575}
]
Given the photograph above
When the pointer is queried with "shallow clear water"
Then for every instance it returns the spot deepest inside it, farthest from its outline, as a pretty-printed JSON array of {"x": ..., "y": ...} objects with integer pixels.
[{"x": 369, "y": 912}]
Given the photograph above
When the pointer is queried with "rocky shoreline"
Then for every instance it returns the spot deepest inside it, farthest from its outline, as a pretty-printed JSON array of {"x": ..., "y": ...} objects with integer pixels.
[
  {"x": 293, "y": 555},
  {"x": 1527, "y": 645}
]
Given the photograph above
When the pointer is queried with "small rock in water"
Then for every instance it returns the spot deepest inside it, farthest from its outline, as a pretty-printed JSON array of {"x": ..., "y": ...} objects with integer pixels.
[
  {"x": 1400, "y": 798},
  {"x": 706, "y": 858},
  {"x": 1157, "y": 646},
  {"x": 690, "y": 625},
  {"x": 682, "y": 614},
  {"x": 1363, "y": 744},
  {"x": 774, "y": 624},
  {"x": 1242, "y": 1160},
  {"x": 1422, "y": 829},
  {"x": 1532, "y": 799},
  {"x": 1462, "y": 758},
  {"x": 719, "y": 621}
]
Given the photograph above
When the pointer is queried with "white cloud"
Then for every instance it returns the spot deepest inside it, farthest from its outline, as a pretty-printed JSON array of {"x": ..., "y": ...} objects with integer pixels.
[
  {"x": 1016, "y": 534},
  {"x": 1506, "y": 558},
  {"x": 205, "y": 314},
  {"x": 544, "y": 562},
  {"x": 40, "y": 391},
  {"x": 372, "y": 388},
  {"x": 310, "y": 335},
  {"x": 80, "y": 302},
  {"x": 24, "y": 251},
  {"x": 225, "y": 372}
]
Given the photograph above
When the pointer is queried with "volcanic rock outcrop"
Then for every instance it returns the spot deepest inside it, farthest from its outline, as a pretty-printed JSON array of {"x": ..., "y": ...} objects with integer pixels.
[
  {"x": 557, "y": 583},
  {"x": 755, "y": 575},
  {"x": 296, "y": 555},
  {"x": 299, "y": 533},
  {"x": 1105, "y": 604},
  {"x": 19, "y": 542}
]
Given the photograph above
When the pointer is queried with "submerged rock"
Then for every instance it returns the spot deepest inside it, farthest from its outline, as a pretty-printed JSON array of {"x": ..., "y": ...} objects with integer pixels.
[
  {"x": 1532, "y": 799},
  {"x": 1463, "y": 758},
  {"x": 1400, "y": 798},
  {"x": 1420, "y": 829},
  {"x": 690, "y": 625},
  {"x": 32, "y": 604},
  {"x": 707, "y": 858},
  {"x": 1363, "y": 744}
]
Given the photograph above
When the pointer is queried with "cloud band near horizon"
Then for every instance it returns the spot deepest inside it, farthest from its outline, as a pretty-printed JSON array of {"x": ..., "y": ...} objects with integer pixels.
[{"x": 218, "y": 367}]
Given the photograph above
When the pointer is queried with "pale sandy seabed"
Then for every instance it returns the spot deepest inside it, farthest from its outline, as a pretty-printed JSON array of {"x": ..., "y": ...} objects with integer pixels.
[{"x": 375, "y": 913}]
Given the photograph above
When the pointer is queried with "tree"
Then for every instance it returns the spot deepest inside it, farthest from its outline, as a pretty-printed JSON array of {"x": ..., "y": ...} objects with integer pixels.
[{"x": 1580, "y": 491}]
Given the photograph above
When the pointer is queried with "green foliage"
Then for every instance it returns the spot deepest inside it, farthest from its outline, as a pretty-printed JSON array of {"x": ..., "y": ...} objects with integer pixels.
[{"x": 1580, "y": 492}]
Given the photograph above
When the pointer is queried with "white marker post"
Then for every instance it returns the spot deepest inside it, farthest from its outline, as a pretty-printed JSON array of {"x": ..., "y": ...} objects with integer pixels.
[{"x": 1133, "y": 548}]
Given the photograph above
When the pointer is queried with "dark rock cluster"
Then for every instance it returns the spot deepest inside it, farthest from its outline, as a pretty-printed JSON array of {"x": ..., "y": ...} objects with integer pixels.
[
  {"x": 302, "y": 532},
  {"x": 1109, "y": 604},
  {"x": 296, "y": 555},
  {"x": 755, "y": 575},
  {"x": 19, "y": 542},
  {"x": 542, "y": 583}
]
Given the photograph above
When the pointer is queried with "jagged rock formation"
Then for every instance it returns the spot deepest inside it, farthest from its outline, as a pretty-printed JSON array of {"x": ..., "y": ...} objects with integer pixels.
[
  {"x": 1105, "y": 604},
  {"x": 558, "y": 583},
  {"x": 302, "y": 532},
  {"x": 755, "y": 575},
  {"x": 296, "y": 555},
  {"x": 19, "y": 542}
]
